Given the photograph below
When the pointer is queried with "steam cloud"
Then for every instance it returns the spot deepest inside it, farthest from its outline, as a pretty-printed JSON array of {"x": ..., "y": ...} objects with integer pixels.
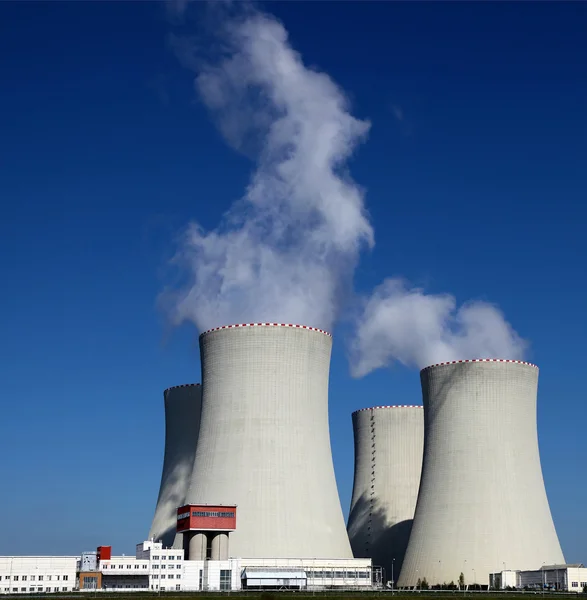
[
  {"x": 405, "y": 325},
  {"x": 286, "y": 250}
]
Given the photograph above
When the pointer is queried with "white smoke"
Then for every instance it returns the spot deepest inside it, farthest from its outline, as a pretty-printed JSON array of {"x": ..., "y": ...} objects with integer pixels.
[
  {"x": 286, "y": 250},
  {"x": 402, "y": 324}
]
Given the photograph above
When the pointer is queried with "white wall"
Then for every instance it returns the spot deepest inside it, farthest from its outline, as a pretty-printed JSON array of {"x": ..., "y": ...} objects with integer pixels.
[
  {"x": 482, "y": 501},
  {"x": 578, "y": 576},
  {"x": 183, "y": 405},
  {"x": 25, "y": 574},
  {"x": 389, "y": 445},
  {"x": 264, "y": 441}
]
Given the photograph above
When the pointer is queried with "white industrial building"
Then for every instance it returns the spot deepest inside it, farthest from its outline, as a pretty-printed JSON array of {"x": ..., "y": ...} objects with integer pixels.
[
  {"x": 389, "y": 444},
  {"x": 183, "y": 405},
  {"x": 559, "y": 578},
  {"x": 36, "y": 574},
  {"x": 155, "y": 568},
  {"x": 264, "y": 441},
  {"x": 482, "y": 501}
]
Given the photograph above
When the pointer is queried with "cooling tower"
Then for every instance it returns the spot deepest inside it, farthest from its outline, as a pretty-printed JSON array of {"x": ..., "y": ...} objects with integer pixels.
[
  {"x": 183, "y": 405},
  {"x": 482, "y": 505},
  {"x": 389, "y": 443},
  {"x": 264, "y": 441}
]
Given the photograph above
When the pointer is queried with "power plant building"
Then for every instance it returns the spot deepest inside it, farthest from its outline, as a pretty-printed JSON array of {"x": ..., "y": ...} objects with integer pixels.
[
  {"x": 183, "y": 405},
  {"x": 389, "y": 443},
  {"x": 264, "y": 442},
  {"x": 482, "y": 504}
]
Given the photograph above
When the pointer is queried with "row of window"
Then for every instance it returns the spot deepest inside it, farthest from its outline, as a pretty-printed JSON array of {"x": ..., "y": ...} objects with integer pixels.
[
  {"x": 32, "y": 577},
  {"x": 163, "y": 557},
  {"x": 170, "y": 576},
  {"x": 211, "y": 513},
  {"x": 37, "y": 589},
  {"x": 338, "y": 574},
  {"x": 156, "y": 587},
  {"x": 576, "y": 584},
  {"x": 130, "y": 566}
]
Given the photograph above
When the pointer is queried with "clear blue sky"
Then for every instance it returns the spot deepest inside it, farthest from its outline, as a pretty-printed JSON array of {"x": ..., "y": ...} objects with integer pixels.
[{"x": 105, "y": 155}]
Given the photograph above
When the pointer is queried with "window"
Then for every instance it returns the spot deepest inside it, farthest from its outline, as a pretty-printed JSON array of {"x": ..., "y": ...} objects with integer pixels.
[
  {"x": 178, "y": 566},
  {"x": 47, "y": 589},
  {"x": 56, "y": 589},
  {"x": 23, "y": 589},
  {"x": 40, "y": 578},
  {"x": 575, "y": 584},
  {"x": 162, "y": 566},
  {"x": 136, "y": 566},
  {"x": 178, "y": 587},
  {"x": 48, "y": 577},
  {"x": 163, "y": 557},
  {"x": 225, "y": 577},
  {"x": 15, "y": 578},
  {"x": 24, "y": 577},
  {"x": 178, "y": 576},
  {"x": 58, "y": 578},
  {"x": 65, "y": 577},
  {"x": 162, "y": 576},
  {"x": 171, "y": 566},
  {"x": 155, "y": 576},
  {"x": 155, "y": 566},
  {"x": 32, "y": 589},
  {"x": 64, "y": 589},
  {"x": 144, "y": 566},
  {"x": 155, "y": 558},
  {"x": 169, "y": 576}
]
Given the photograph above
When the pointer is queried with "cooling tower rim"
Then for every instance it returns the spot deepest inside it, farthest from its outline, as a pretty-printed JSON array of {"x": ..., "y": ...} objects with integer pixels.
[
  {"x": 390, "y": 406},
  {"x": 240, "y": 325},
  {"x": 183, "y": 385},
  {"x": 480, "y": 360}
]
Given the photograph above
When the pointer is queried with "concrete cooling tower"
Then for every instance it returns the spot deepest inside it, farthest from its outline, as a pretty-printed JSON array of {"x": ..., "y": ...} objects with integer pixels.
[
  {"x": 264, "y": 441},
  {"x": 482, "y": 505},
  {"x": 389, "y": 442},
  {"x": 183, "y": 405}
]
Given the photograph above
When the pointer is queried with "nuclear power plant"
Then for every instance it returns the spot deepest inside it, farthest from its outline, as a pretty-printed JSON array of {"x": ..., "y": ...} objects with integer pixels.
[
  {"x": 448, "y": 494},
  {"x": 183, "y": 405},
  {"x": 264, "y": 442},
  {"x": 389, "y": 442},
  {"x": 482, "y": 504},
  {"x": 444, "y": 492}
]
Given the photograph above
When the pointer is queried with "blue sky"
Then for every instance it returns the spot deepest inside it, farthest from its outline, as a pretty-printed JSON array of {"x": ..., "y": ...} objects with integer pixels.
[{"x": 476, "y": 185}]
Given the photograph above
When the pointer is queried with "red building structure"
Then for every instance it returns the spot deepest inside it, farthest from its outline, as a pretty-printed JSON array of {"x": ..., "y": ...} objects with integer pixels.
[{"x": 206, "y": 529}]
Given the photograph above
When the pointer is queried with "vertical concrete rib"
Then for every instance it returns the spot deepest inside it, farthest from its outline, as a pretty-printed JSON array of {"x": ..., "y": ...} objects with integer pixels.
[
  {"x": 389, "y": 443},
  {"x": 183, "y": 405},
  {"x": 482, "y": 501},
  {"x": 264, "y": 441}
]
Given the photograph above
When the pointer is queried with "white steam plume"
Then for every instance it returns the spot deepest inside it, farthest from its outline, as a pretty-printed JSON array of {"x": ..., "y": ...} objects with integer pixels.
[
  {"x": 286, "y": 250},
  {"x": 402, "y": 324}
]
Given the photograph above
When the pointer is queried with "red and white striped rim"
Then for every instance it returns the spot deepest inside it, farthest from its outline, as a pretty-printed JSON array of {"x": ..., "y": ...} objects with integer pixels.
[
  {"x": 183, "y": 385},
  {"x": 391, "y": 406},
  {"x": 475, "y": 360},
  {"x": 237, "y": 325}
]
